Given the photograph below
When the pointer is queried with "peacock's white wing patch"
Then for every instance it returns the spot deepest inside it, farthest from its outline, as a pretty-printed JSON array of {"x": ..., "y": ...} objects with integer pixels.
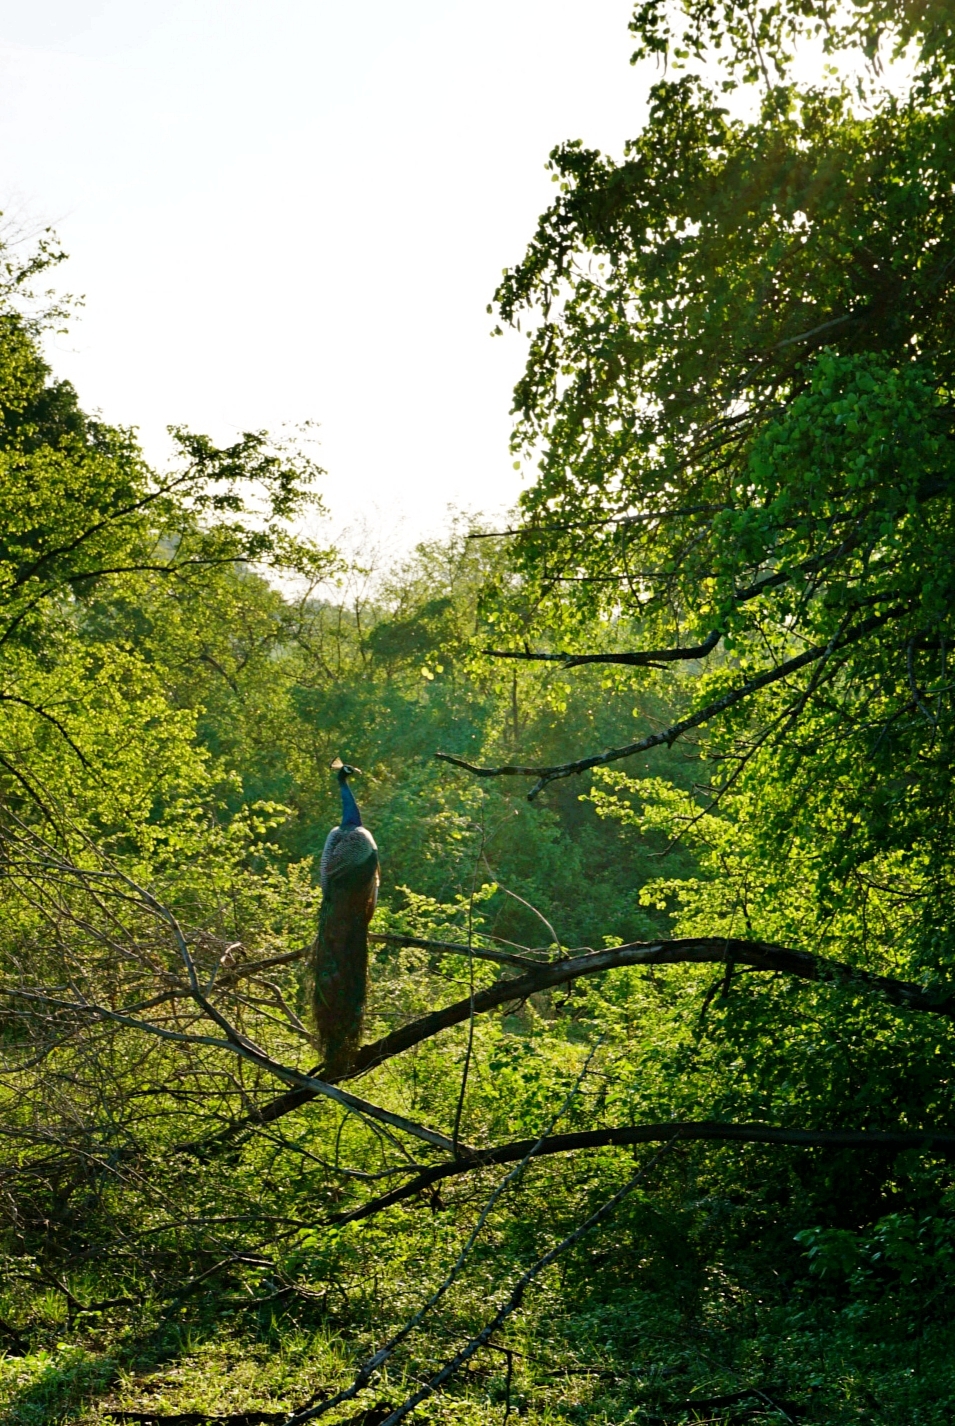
[{"x": 345, "y": 849}]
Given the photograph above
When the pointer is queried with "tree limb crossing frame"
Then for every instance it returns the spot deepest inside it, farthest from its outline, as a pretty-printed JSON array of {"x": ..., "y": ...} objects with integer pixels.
[
  {"x": 703, "y": 950},
  {"x": 707, "y": 1130}
]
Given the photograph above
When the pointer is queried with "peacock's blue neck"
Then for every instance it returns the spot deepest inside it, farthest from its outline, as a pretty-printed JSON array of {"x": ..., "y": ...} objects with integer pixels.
[{"x": 351, "y": 817}]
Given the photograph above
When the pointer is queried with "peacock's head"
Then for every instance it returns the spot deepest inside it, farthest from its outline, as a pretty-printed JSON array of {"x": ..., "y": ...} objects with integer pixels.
[{"x": 343, "y": 770}]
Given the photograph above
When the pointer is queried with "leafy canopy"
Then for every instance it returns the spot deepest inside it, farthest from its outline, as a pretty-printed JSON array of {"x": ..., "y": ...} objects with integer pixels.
[{"x": 739, "y": 378}]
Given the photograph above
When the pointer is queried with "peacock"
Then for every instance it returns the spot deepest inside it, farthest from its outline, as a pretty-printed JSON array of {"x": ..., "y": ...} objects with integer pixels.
[{"x": 349, "y": 880}]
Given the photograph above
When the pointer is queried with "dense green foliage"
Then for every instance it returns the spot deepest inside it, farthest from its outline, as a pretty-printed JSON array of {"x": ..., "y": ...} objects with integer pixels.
[{"x": 739, "y": 399}]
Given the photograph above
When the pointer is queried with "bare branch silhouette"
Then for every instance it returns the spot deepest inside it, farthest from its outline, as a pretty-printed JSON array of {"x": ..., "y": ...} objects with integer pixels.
[{"x": 669, "y": 736}]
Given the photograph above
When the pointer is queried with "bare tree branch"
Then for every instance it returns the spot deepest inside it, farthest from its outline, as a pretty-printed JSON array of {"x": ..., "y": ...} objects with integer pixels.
[
  {"x": 646, "y": 517},
  {"x": 670, "y": 735},
  {"x": 232, "y": 1039},
  {"x": 691, "y": 950},
  {"x": 642, "y": 658},
  {"x": 246, "y": 1049},
  {"x": 701, "y": 950},
  {"x": 885, "y": 1141},
  {"x": 45, "y": 713}
]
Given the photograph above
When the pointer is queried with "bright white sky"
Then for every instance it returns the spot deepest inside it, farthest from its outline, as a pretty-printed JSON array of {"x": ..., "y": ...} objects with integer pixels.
[{"x": 282, "y": 210}]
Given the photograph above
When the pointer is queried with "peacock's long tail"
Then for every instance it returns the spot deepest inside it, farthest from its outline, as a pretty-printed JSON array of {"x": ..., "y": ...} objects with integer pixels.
[{"x": 339, "y": 963}]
